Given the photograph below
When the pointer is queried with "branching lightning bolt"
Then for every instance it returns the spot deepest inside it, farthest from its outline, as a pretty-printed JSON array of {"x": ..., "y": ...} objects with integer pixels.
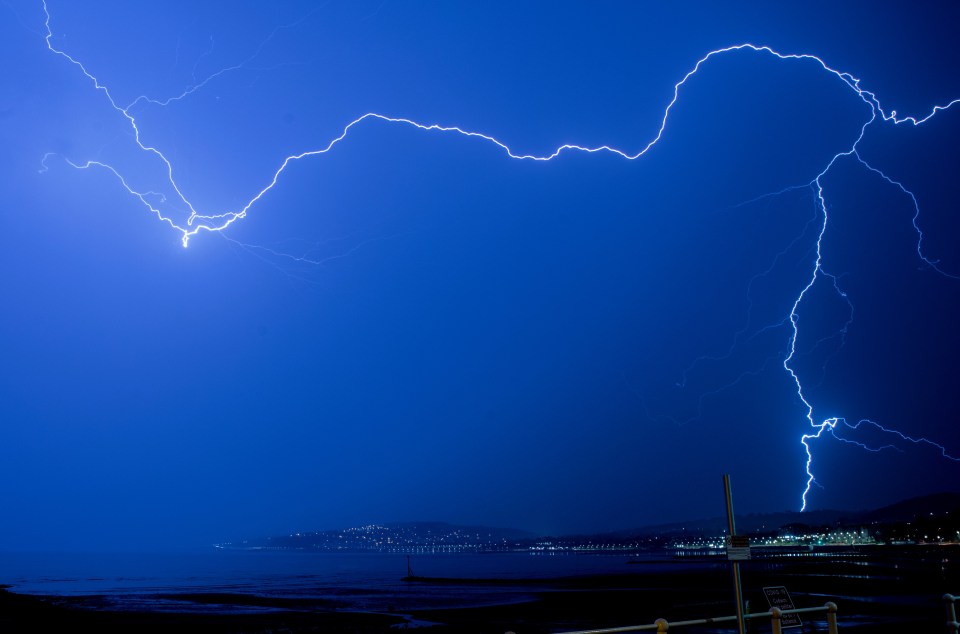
[
  {"x": 829, "y": 425},
  {"x": 198, "y": 221}
]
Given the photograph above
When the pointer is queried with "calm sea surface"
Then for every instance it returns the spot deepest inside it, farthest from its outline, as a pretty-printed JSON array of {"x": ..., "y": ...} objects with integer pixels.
[
  {"x": 358, "y": 581},
  {"x": 253, "y": 581},
  {"x": 867, "y": 582}
]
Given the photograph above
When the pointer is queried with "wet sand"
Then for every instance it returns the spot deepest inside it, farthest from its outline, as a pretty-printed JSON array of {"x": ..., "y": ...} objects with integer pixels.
[{"x": 873, "y": 595}]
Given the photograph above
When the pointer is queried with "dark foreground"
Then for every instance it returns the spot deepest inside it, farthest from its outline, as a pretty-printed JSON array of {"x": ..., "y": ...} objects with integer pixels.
[{"x": 874, "y": 594}]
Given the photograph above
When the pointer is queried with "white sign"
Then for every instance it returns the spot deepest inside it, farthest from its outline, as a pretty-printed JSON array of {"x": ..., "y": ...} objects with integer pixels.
[{"x": 778, "y": 597}]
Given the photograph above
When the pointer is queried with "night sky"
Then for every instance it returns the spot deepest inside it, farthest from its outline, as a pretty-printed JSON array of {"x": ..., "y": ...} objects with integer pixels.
[{"x": 416, "y": 326}]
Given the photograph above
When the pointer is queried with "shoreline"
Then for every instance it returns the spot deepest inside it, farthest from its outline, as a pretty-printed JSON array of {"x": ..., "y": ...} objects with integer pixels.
[{"x": 875, "y": 599}]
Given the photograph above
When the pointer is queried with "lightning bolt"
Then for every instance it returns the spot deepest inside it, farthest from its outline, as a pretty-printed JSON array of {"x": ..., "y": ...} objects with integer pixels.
[
  {"x": 830, "y": 425},
  {"x": 213, "y": 222}
]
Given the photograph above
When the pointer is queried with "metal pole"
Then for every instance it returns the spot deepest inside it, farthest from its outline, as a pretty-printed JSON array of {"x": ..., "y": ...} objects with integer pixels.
[{"x": 738, "y": 592}]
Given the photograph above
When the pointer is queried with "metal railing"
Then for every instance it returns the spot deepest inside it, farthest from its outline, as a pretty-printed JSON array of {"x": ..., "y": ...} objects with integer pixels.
[
  {"x": 952, "y": 625},
  {"x": 775, "y": 614}
]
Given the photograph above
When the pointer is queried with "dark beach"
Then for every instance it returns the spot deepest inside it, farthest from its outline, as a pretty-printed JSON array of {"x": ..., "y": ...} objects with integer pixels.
[{"x": 874, "y": 593}]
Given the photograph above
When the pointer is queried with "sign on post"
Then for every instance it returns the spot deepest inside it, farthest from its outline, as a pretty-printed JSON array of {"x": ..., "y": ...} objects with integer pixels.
[
  {"x": 738, "y": 548},
  {"x": 778, "y": 597}
]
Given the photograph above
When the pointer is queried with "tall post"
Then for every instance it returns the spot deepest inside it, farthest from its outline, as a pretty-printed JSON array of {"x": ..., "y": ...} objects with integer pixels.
[{"x": 738, "y": 592}]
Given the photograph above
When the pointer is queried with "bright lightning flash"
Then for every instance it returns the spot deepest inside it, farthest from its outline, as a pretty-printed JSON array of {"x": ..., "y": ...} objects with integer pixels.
[{"x": 197, "y": 221}]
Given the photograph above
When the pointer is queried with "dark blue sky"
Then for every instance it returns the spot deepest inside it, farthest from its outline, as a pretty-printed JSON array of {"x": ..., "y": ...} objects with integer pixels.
[{"x": 417, "y": 326}]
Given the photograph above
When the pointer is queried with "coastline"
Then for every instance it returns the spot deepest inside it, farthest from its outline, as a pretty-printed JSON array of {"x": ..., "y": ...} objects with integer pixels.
[{"x": 888, "y": 599}]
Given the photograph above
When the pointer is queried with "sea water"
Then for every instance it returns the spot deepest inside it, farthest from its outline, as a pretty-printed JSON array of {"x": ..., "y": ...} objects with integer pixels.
[{"x": 358, "y": 581}]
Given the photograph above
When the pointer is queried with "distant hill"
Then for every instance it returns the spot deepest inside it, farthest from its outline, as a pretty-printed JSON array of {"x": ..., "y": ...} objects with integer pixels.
[
  {"x": 904, "y": 511},
  {"x": 445, "y": 527},
  {"x": 445, "y": 537},
  {"x": 400, "y": 537},
  {"x": 751, "y": 523},
  {"x": 912, "y": 509}
]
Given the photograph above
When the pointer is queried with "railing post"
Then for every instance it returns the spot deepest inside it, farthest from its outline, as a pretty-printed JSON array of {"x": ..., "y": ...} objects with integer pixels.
[
  {"x": 952, "y": 626},
  {"x": 831, "y": 617},
  {"x": 775, "y": 621},
  {"x": 662, "y": 625}
]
